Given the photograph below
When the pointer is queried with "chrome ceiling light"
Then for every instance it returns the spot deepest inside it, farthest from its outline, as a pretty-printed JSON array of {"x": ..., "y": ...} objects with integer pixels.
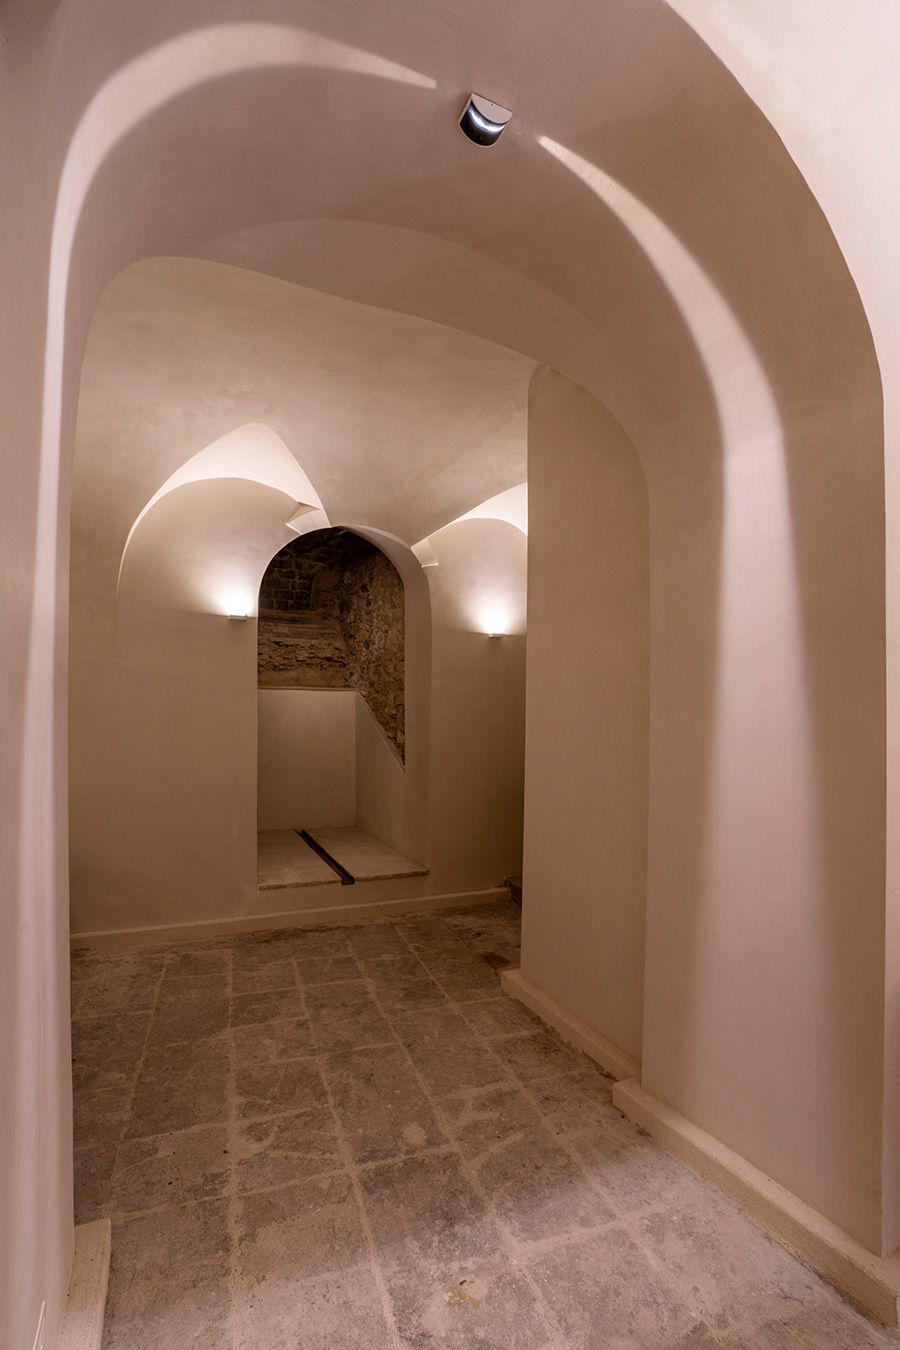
[{"x": 482, "y": 121}]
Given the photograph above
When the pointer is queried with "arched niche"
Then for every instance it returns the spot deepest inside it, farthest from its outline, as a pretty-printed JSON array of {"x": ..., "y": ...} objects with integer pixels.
[{"x": 332, "y": 689}]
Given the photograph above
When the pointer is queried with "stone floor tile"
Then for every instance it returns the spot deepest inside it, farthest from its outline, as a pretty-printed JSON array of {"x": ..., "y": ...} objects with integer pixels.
[
  {"x": 194, "y": 962},
  {"x": 310, "y": 944},
  {"x": 381, "y": 1108},
  {"x": 295, "y": 1232},
  {"x": 99, "y": 1115},
  {"x": 325, "y": 968},
  {"x": 93, "y": 1168},
  {"x": 410, "y": 995},
  {"x": 286, "y": 1149},
  {"x": 424, "y": 1214},
  {"x": 377, "y": 939},
  {"x": 267, "y": 1042},
  {"x": 263, "y": 1090},
  {"x": 344, "y": 1016},
  {"x": 483, "y": 1120},
  {"x": 631, "y": 1169},
  {"x": 166, "y": 1171},
  {"x": 268, "y": 975},
  {"x": 179, "y": 1087},
  {"x": 474, "y": 921},
  {"x": 122, "y": 984},
  {"x": 425, "y": 931},
  {"x": 463, "y": 986},
  {"x": 831, "y": 1323},
  {"x": 106, "y": 1051},
  {"x": 537, "y": 1054},
  {"x": 188, "y": 1016},
  {"x": 267, "y": 1006},
  {"x": 486, "y": 1304},
  {"x": 537, "y": 1190},
  {"x": 446, "y": 1052},
  {"x": 169, "y": 1281},
  {"x": 500, "y": 1016},
  {"x": 386, "y": 970},
  {"x": 335, "y": 1312},
  {"x": 721, "y": 1260},
  {"x": 574, "y": 1101},
  {"x": 604, "y": 1292},
  {"x": 252, "y": 950}
]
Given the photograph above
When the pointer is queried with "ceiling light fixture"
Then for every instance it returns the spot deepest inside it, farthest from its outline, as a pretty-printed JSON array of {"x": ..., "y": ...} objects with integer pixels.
[{"x": 482, "y": 121}]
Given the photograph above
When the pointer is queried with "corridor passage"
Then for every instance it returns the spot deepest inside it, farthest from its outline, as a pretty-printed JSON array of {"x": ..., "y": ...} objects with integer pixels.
[{"x": 350, "y": 1139}]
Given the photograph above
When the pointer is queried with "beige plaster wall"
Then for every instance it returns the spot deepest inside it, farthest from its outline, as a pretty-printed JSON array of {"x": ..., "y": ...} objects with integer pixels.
[
  {"x": 163, "y": 747},
  {"x": 306, "y": 774},
  {"x": 478, "y": 702},
  {"x": 35, "y": 1053},
  {"x": 587, "y": 724},
  {"x": 821, "y": 84},
  {"x": 380, "y": 781}
]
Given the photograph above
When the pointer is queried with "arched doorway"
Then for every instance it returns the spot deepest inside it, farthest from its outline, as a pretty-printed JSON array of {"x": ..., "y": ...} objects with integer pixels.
[{"x": 332, "y": 714}]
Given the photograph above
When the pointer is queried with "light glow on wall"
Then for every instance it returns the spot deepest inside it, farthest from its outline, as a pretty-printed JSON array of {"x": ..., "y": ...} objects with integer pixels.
[
  {"x": 238, "y": 602},
  {"x": 493, "y": 616},
  {"x": 762, "y": 733}
]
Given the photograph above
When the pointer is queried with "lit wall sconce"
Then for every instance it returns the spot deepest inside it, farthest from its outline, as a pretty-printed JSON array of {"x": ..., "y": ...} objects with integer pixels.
[
  {"x": 238, "y": 602},
  {"x": 493, "y": 616}
]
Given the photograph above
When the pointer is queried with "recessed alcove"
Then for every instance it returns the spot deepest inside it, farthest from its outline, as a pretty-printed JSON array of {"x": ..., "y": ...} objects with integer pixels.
[{"x": 332, "y": 737}]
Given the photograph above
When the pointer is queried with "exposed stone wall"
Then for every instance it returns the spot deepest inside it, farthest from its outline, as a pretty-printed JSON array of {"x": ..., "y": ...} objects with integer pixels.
[
  {"x": 331, "y": 616},
  {"x": 371, "y": 606}
]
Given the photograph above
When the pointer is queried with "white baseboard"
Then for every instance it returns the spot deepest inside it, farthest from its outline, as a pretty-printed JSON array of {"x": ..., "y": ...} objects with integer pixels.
[
  {"x": 82, "y": 1327},
  {"x": 873, "y": 1281},
  {"x": 610, "y": 1057},
  {"x": 158, "y": 934}
]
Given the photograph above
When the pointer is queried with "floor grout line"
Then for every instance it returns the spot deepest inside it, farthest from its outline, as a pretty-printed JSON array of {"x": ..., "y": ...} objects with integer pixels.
[
  {"x": 232, "y": 1198},
  {"x": 350, "y": 1164},
  {"x": 549, "y": 1322},
  {"x": 126, "y": 1117}
]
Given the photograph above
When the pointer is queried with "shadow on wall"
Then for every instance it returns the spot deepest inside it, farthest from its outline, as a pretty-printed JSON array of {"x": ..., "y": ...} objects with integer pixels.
[{"x": 331, "y": 616}]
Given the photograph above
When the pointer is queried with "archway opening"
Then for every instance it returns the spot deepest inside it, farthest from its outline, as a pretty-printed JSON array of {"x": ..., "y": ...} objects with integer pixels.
[{"x": 332, "y": 714}]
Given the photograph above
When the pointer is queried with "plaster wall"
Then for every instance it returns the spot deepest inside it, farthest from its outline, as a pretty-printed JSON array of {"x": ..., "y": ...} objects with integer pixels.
[
  {"x": 36, "y": 1239},
  {"x": 163, "y": 743},
  {"x": 306, "y": 758},
  {"x": 478, "y": 702},
  {"x": 587, "y": 725},
  {"x": 825, "y": 87},
  {"x": 380, "y": 781}
]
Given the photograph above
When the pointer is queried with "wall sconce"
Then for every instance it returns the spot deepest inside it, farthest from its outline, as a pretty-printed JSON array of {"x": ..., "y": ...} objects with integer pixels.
[
  {"x": 493, "y": 616},
  {"x": 237, "y": 603}
]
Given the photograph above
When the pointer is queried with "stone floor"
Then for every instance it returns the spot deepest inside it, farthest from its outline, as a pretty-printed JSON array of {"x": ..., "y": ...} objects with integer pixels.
[{"x": 347, "y": 1138}]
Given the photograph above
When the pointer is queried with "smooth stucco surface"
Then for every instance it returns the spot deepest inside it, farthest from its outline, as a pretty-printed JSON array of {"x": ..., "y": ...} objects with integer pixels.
[
  {"x": 306, "y": 758},
  {"x": 587, "y": 723}
]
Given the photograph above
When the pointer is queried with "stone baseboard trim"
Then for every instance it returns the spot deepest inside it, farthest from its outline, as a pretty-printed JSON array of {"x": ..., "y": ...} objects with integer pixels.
[
  {"x": 159, "y": 934},
  {"x": 603, "y": 1052},
  {"x": 82, "y": 1327},
  {"x": 872, "y": 1281}
]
